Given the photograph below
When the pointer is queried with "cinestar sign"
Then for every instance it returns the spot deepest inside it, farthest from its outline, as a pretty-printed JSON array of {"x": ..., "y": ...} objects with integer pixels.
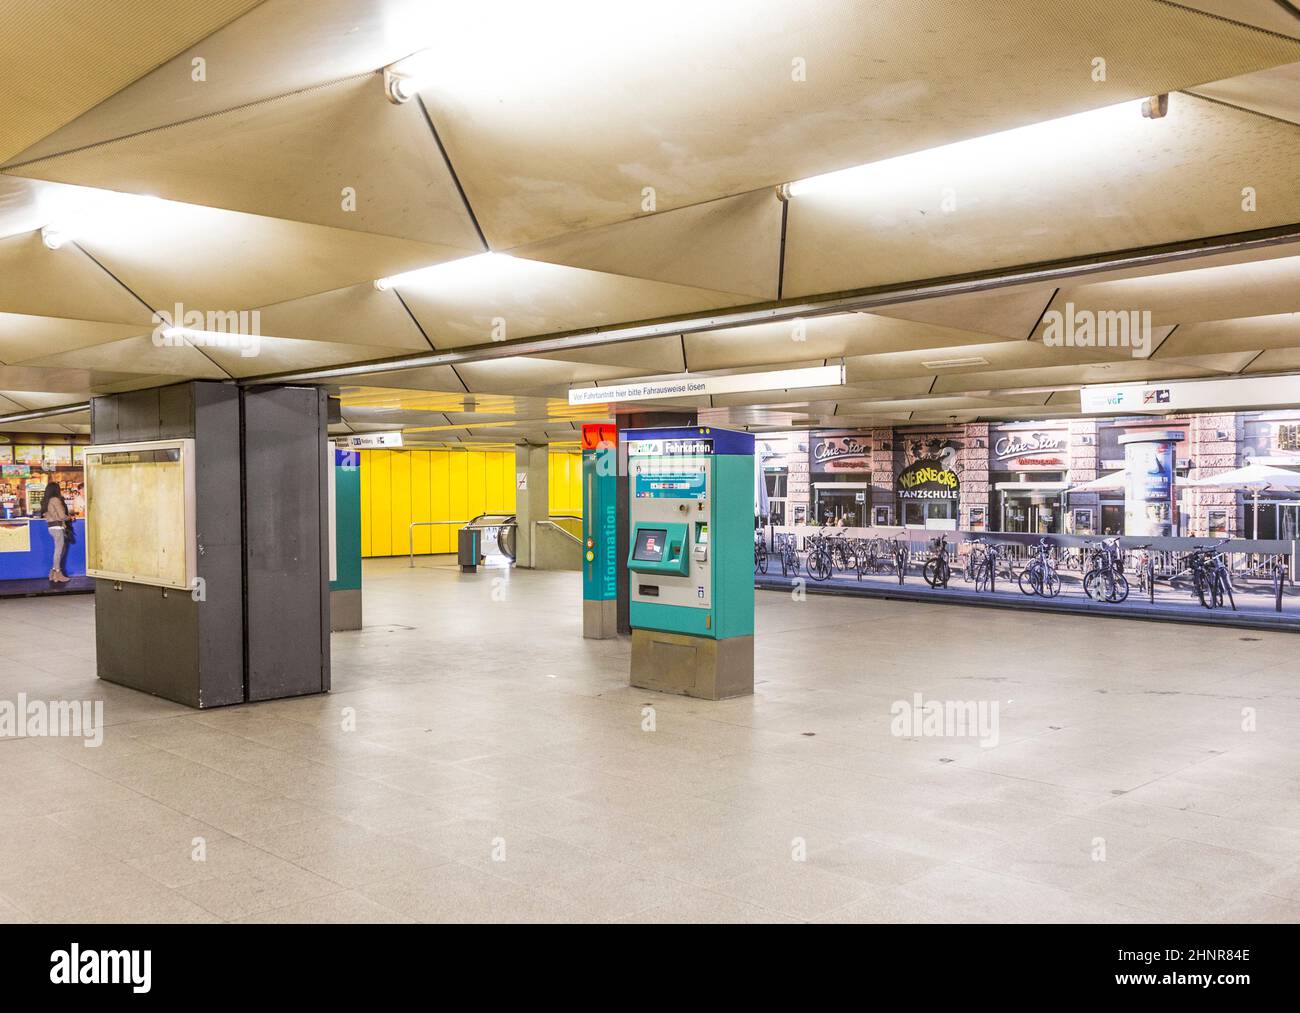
[{"x": 703, "y": 386}]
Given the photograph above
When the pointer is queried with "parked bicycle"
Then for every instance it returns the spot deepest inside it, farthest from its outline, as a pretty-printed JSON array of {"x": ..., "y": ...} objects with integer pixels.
[
  {"x": 760, "y": 552},
  {"x": 1040, "y": 576},
  {"x": 1211, "y": 580},
  {"x": 984, "y": 565},
  {"x": 1144, "y": 571},
  {"x": 820, "y": 562},
  {"x": 982, "y": 550},
  {"x": 1103, "y": 571},
  {"x": 937, "y": 570},
  {"x": 787, "y": 547}
]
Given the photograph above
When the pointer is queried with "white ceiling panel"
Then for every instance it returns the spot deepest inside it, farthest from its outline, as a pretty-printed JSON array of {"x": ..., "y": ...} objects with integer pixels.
[
  {"x": 62, "y": 283},
  {"x": 499, "y": 297},
  {"x": 210, "y": 259},
  {"x": 357, "y": 315},
  {"x": 24, "y": 337},
  {"x": 542, "y": 139},
  {"x": 828, "y": 337},
  {"x": 137, "y": 355},
  {"x": 1111, "y": 180},
  {"x": 1273, "y": 92},
  {"x": 1005, "y": 313},
  {"x": 729, "y": 245},
  {"x": 295, "y": 157}
]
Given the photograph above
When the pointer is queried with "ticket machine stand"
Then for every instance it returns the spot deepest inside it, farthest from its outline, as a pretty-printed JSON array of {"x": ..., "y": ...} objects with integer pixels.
[{"x": 691, "y": 493}]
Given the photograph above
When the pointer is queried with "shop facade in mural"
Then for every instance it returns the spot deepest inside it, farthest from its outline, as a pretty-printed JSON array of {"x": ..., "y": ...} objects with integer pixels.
[{"x": 1026, "y": 477}]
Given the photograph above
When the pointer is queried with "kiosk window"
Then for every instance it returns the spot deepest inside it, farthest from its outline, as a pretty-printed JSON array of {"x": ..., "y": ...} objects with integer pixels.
[{"x": 650, "y": 544}]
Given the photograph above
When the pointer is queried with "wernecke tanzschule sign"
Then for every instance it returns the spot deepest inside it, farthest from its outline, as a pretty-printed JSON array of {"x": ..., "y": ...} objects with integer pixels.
[{"x": 928, "y": 479}]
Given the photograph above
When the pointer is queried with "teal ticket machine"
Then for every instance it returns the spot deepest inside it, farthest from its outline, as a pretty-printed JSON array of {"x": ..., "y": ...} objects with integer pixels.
[{"x": 691, "y": 560}]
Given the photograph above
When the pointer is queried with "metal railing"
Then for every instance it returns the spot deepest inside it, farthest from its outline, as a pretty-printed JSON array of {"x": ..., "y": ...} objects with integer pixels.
[
  {"x": 507, "y": 521},
  {"x": 478, "y": 524}
]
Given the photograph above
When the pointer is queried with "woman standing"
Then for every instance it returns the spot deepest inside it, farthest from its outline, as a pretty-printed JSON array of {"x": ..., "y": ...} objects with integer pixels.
[{"x": 55, "y": 512}]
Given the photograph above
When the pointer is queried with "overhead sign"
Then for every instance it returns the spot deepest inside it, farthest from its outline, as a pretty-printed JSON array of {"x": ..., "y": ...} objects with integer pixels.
[
  {"x": 372, "y": 441},
  {"x": 928, "y": 479},
  {"x": 1164, "y": 397},
  {"x": 830, "y": 454},
  {"x": 702, "y": 386}
]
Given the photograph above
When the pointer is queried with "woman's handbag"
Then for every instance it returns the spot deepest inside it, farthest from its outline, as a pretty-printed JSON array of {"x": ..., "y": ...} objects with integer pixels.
[{"x": 70, "y": 533}]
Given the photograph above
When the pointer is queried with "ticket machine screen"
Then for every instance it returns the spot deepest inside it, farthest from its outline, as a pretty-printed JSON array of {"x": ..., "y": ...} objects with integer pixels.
[{"x": 650, "y": 544}]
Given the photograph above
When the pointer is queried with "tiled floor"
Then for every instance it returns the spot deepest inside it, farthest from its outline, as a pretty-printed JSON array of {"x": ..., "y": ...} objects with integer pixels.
[{"x": 499, "y": 770}]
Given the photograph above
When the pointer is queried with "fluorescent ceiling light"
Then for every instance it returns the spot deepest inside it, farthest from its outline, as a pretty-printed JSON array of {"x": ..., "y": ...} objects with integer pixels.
[
  {"x": 970, "y": 360},
  {"x": 1003, "y": 151},
  {"x": 464, "y": 270},
  {"x": 82, "y": 212}
]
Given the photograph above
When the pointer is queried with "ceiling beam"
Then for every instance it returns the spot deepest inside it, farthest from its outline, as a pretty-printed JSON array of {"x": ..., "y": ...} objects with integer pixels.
[{"x": 832, "y": 303}]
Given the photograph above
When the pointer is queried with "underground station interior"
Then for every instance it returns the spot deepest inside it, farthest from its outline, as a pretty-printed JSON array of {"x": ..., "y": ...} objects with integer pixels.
[{"x": 743, "y": 462}]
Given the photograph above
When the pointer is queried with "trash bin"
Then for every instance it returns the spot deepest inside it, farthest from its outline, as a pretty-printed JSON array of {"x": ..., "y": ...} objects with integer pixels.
[{"x": 467, "y": 549}]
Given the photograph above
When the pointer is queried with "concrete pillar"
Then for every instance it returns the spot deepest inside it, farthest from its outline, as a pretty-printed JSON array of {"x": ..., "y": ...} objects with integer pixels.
[
  {"x": 255, "y": 625},
  {"x": 532, "y": 501}
]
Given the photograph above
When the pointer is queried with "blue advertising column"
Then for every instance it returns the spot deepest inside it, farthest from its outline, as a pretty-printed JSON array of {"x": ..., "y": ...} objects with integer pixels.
[
  {"x": 691, "y": 560},
  {"x": 599, "y": 532},
  {"x": 1149, "y": 462}
]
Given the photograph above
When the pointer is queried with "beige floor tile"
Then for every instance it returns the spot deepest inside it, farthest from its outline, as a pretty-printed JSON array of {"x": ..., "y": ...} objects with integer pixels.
[{"x": 462, "y": 740}]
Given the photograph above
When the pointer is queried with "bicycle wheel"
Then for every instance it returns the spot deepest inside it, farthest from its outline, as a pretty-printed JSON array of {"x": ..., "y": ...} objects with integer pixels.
[
  {"x": 1031, "y": 581},
  {"x": 819, "y": 565},
  {"x": 1051, "y": 584},
  {"x": 1224, "y": 590},
  {"x": 760, "y": 558},
  {"x": 1090, "y": 581},
  {"x": 1121, "y": 588},
  {"x": 983, "y": 578},
  {"x": 1203, "y": 591}
]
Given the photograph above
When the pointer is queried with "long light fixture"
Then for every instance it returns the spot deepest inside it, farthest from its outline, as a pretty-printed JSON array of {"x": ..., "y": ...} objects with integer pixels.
[
  {"x": 1005, "y": 150},
  {"x": 466, "y": 269},
  {"x": 81, "y": 212}
]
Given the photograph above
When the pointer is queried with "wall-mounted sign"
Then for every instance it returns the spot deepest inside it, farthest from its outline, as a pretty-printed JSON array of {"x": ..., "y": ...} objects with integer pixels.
[
  {"x": 702, "y": 386},
  {"x": 1026, "y": 444},
  {"x": 1164, "y": 397},
  {"x": 838, "y": 454},
  {"x": 372, "y": 441},
  {"x": 928, "y": 479},
  {"x": 670, "y": 448}
]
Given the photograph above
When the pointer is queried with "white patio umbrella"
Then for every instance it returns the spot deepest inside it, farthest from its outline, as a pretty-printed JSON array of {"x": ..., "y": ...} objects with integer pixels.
[
  {"x": 1250, "y": 478},
  {"x": 762, "y": 506},
  {"x": 1104, "y": 484}
]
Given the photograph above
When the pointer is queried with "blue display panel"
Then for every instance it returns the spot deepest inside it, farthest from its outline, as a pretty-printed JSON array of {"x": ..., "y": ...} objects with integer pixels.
[{"x": 669, "y": 485}]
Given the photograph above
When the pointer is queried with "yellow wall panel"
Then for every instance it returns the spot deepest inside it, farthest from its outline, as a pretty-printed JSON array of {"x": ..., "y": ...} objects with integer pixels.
[
  {"x": 440, "y": 501},
  {"x": 566, "y": 484},
  {"x": 457, "y": 482},
  {"x": 381, "y": 503},
  {"x": 400, "y": 482},
  {"x": 400, "y": 486},
  {"x": 420, "y": 510},
  {"x": 476, "y": 483}
]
